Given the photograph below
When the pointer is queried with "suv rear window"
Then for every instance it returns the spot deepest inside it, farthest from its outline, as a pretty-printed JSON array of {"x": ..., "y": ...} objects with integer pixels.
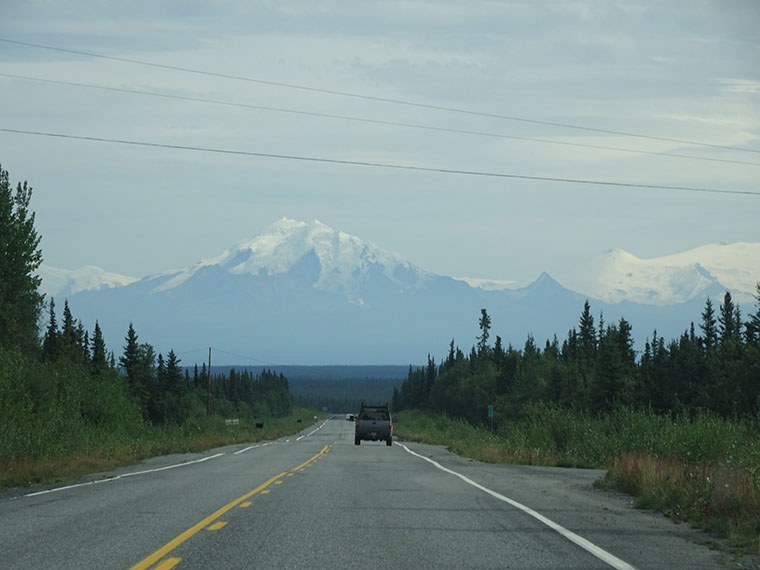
[{"x": 376, "y": 415}]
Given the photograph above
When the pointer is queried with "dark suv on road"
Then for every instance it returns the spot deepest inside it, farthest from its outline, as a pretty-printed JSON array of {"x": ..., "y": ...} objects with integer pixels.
[{"x": 374, "y": 424}]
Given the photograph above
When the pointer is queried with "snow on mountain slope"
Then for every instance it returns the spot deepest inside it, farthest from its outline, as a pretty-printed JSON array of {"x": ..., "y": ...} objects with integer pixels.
[
  {"x": 345, "y": 261},
  {"x": 57, "y": 282},
  {"x": 489, "y": 284},
  {"x": 708, "y": 270}
]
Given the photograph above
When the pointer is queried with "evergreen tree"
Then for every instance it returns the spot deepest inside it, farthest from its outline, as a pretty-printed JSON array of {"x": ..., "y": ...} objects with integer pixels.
[
  {"x": 128, "y": 360},
  {"x": 83, "y": 342},
  {"x": 752, "y": 326},
  {"x": 729, "y": 320},
  {"x": 136, "y": 366},
  {"x": 69, "y": 344},
  {"x": 160, "y": 404},
  {"x": 430, "y": 376},
  {"x": 451, "y": 357},
  {"x": 161, "y": 373},
  {"x": 587, "y": 334},
  {"x": 708, "y": 326},
  {"x": 20, "y": 257},
  {"x": 607, "y": 388},
  {"x": 727, "y": 384},
  {"x": 485, "y": 326},
  {"x": 196, "y": 379},
  {"x": 50, "y": 342},
  {"x": 98, "y": 361}
]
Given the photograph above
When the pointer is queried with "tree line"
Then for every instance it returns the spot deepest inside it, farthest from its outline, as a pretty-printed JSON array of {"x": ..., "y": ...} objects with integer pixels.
[
  {"x": 66, "y": 370},
  {"x": 715, "y": 367}
]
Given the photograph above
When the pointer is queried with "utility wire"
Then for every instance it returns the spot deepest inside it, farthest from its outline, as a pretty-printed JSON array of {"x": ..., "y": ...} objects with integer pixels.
[
  {"x": 370, "y": 121},
  {"x": 260, "y": 362},
  {"x": 378, "y": 99},
  {"x": 383, "y": 165}
]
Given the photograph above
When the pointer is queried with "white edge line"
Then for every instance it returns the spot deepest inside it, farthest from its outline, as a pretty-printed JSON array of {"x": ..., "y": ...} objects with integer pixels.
[
  {"x": 587, "y": 545},
  {"x": 312, "y": 431},
  {"x": 238, "y": 452},
  {"x": 55, "y": 490}
]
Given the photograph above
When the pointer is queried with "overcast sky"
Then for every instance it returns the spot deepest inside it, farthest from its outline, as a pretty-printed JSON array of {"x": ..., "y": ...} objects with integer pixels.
[{"x": 666, "y": 70}]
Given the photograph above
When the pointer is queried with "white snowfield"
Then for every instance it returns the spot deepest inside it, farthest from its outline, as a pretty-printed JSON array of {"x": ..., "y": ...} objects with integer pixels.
[
  {"x": 56, "y": 281},
  {"x": 620, "y": 276}
]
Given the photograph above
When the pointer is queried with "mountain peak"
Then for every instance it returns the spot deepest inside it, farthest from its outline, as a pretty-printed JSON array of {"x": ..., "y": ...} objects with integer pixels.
[
  {"x": 343, "y": 261},
  {"x": 544, "y": 282}
]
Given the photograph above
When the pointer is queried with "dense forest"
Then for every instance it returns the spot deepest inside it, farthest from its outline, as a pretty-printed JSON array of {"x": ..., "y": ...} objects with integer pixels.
[
  {"x": 340, "y": 388},
  {"x": 596, "y": 369},
  {"x": 61, "y": 387}
]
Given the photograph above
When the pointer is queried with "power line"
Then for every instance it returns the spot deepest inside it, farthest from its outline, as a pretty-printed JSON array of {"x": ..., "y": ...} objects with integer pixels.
[
  {"x": 260, "y": 362},
  {"x": 378, "y": 99},
  {"x": 246, "y": 357},
  {"x": 371, "y": 121},
  {"x": 383, "y": 165}
]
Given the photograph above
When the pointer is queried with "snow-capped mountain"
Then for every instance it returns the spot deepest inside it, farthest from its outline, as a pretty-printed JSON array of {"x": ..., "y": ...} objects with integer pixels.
[
  {"x": 711, "y": 270},
  {"x": 63, "y": 282},
  {"x": 338, "y": 262},
  {"x": 303, "y": 293}
]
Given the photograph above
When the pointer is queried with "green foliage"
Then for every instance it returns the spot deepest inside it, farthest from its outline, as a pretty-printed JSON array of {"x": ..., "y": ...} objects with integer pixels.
[
  {"x": 69, "y": 400},
  {"x": 551, "y": 435},
  {"x": 20, "y": 300},
  {"x": 51, "y": 409},
  {"x": 596, "y": 370}
]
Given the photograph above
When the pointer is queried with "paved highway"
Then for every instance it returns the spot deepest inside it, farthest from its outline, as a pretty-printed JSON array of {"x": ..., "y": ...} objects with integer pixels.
[{"x": 315, "y": 500}]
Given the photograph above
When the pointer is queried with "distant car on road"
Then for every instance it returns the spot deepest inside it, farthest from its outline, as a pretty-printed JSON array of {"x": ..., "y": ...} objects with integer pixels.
[
  {"x": 350, "y": 417},
  {"x": 374, "y": 424}
]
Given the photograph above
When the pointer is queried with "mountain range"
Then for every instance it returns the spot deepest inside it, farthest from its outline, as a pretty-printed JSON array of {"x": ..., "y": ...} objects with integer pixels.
[{"x": 304, "y": 293}]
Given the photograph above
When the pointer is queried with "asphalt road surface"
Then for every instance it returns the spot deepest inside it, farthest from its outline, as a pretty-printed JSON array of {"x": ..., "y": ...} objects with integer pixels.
[{"x": 315, "y": 500}]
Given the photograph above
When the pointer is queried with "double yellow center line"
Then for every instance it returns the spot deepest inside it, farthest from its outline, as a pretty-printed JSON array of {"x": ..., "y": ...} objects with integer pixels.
[{"x": 172, "y": 544}]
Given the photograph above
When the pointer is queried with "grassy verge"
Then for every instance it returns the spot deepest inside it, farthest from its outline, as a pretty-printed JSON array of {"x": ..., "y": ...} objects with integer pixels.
[
  {"x": 714, "y": 496},
  {"x": 107, "y": 451},
  {"x": 704, "y": 470}
]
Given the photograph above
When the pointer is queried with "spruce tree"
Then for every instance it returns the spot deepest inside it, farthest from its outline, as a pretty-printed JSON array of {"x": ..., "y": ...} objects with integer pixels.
[
  {"x": 50, "y": 342},
  {"x": 451, "y": 356},
  {"x": 607, "y": 389},
  {"x": 174, "y": 382},
  {"x": 128, "y": 360},
  {"x": 83, "y": 342},
  {"x": 20, "y": 257},
  {"x": 752, "y": 326},
  {"x": 133, "y": 365},
  {"x": 708, "y": 326},
  {"x": 485, "y": 326},
  {"x": 69, "y": 344},
  {"x": 98, "y": 349},
  {"x": 728, "y": 320},
  {"x": 587, "y": 334}
]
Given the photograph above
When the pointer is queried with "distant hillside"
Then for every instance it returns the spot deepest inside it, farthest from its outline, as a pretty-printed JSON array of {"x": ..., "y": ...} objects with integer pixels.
[{"x": 340, "y": 389}]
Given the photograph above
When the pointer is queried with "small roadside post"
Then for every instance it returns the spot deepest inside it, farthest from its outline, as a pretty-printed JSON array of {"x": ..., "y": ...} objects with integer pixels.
[{"x": 490, "y": 415}]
